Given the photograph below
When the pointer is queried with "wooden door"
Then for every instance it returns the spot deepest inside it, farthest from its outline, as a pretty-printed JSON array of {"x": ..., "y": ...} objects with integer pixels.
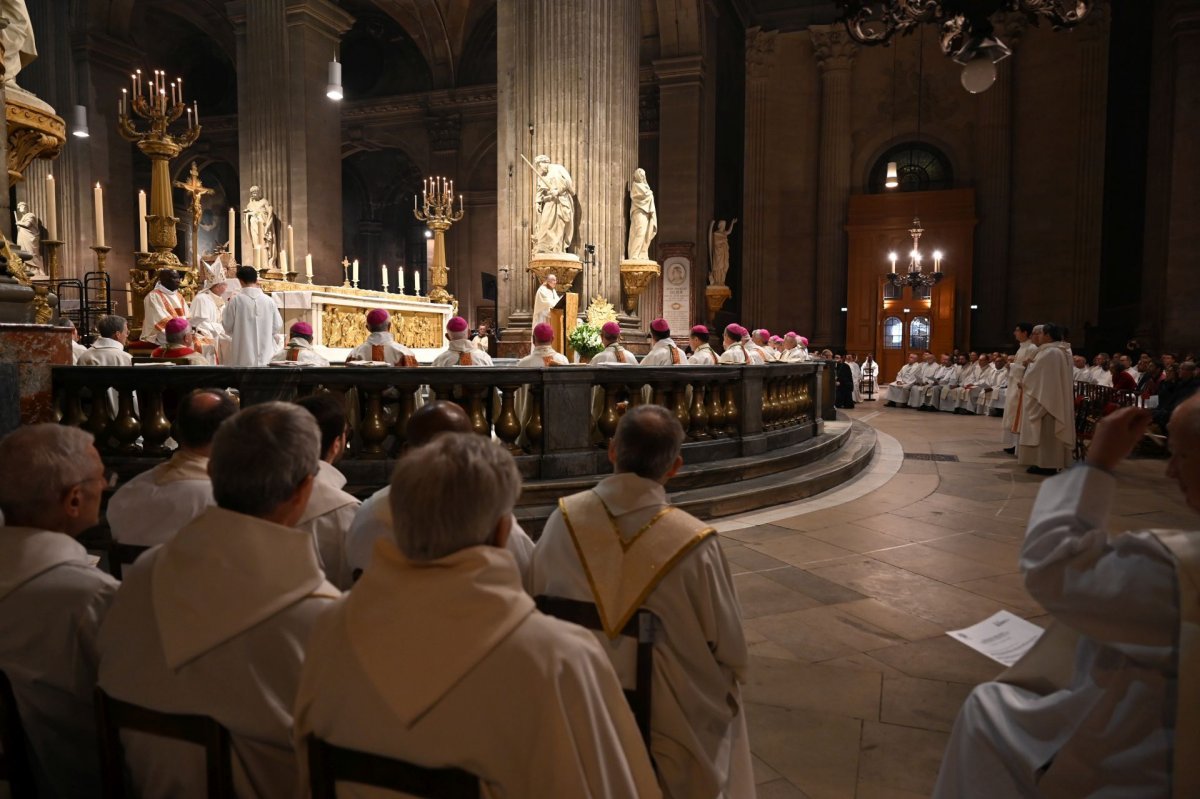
[{"x": 913, "y": 321}]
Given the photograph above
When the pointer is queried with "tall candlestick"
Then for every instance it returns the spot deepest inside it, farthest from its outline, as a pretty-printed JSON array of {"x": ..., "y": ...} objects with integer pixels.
[
  {"x": 416, "y": 282},
  {"x": 143, "y": 236},
  {"x": 400, "y": 279},
  {"x": 283, "y": 262},
  {"x": 51, "y": 209},
  {"x": 232, "y": 231},
  {"x": 291, "y": 246},
  {"x": 98, "y": 197},
  {"x": 385, "y": 282},
  {"x": 308, "y": 273},
  {"x": 355, "y": 273}
]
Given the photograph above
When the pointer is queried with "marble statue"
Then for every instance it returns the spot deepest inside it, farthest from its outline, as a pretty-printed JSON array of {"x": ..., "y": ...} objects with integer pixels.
[
  {"x": 260, "y": 223},
  {"x": 29, "y": 233},
  {"x": 643, "y": 217},
  {"x": 554, "y": 206},
  {"x": 718, "y": 251},
  {"x": 17, "y": 39}
]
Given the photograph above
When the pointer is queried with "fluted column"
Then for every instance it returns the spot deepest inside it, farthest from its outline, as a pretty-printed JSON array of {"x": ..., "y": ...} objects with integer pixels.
[
  {"x": 760, "y": 60},
  {"x": 567, "y": 88},
  {"x": 835, "y": 53}
]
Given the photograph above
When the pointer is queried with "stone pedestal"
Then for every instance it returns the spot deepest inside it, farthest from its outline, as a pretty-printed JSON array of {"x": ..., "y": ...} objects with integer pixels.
[
  {"x": 714, "y": 298},
  {"x": 563, "y": 265},
  {"x": 33, "y": 132},
  {"x": 636, "y": 274},
  {"x": 34, "y": 349}
]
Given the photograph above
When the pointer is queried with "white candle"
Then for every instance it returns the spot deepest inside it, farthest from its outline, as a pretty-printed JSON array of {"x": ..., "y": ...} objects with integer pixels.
[
  {"x": 283, "y": 260},
  {"x": 416, "y": 282},
  {"x": 400, "y": 279},
  {"x": 196, "y": 113},
  {"x": 308, "y": 267},
  {"x": 232, "y": 231},
  {"x": 291, "y": 245},
  {"x": 98, "y": 197},
  {"x": 355, "y": 273},
  {"x": 51, "y": 209},
  {"x": 385, "y": 283},
  {"x": 892, "y": 258},
  {"x": 143, "y": 237}
]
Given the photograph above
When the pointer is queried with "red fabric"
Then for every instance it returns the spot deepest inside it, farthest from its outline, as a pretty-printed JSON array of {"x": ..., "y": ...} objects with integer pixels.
[
  {"x": 377, "y": 352},
  {"x": 1123, "y": 381},
  {"x": 465, "y": 359},
  {"x": 172, "y": 352}
]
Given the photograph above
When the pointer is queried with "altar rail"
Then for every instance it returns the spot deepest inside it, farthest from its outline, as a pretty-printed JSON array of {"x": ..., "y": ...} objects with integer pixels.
[{"x": 560, "y": 430}]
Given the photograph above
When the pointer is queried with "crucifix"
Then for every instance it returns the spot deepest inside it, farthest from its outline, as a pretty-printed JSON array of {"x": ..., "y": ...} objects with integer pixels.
[
  {"x": 346, "y": 271},
  {"x": 194, "y": 187}
]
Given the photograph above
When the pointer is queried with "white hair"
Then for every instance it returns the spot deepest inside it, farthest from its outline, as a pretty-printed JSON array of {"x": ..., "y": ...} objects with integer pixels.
[
  {"x": 38, "y": 463},
  {"x": 430, "y": 518},
  {"x": 261, "y": 455}
]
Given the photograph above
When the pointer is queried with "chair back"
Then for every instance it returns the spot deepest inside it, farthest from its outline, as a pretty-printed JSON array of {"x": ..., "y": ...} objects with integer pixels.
[
  {"x": 113, "y": 715},
  {"x": 328, "y": 765},
  {"x": 122, "y": 555},
  {"x": 15, "y": 767},
  {"x": 640, "y": 628}
]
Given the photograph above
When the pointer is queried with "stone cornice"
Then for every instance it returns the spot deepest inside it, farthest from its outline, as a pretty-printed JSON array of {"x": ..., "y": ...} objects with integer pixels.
[
  {"x": 478, "y": 99},
  {"x": 320, "y": 15},
  {"x": 682, "y": 71}
]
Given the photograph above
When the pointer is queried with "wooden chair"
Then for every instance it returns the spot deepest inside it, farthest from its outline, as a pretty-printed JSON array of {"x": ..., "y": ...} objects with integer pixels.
[
  {"x": 640, "y": 628},
  {"x": 328, "y": 765},
  {"x": 122, "y": 555},
  {"x": 113, "y": 715},
  {"x": 15, "y": 767}
]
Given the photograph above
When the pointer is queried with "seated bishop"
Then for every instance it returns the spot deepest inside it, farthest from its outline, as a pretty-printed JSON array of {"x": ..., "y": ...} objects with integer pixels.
[
  {"x": 299, "y": 350},
  {"x": 330, "y": 510},
  {"x": 664, "y": 351},
  {"x": 736, "y": 351},
  {"x": 526, "y": 703},
  {"x": 609, "y": 545},
  {"x": 380, "y": 347},
  {"x": 460, "y": 351},
  {"x": 614, "y": 351},
  {"x": 543, "y": 353},
  {"x": 702, "y": 352},
  {"x": 179, "y": 344}
]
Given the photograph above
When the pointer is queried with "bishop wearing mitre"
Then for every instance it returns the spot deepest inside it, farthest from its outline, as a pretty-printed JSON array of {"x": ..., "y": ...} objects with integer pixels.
[{"x": 162, "y": 304}]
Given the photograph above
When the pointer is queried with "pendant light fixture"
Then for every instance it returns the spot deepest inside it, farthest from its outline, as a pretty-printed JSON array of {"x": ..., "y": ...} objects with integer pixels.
[
  {"x": 334, "y": 89},
  {"x": 893, "y": 177}
]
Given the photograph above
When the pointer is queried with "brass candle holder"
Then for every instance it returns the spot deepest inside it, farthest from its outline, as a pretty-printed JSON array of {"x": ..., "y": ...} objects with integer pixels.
[
  {"x": 52, "y": 255},
  {"x": 437, "y": 212},
  {"x": 101, "y": 255}
]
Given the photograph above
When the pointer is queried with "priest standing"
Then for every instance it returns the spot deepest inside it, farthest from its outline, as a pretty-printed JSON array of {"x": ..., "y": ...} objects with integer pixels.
[
  {"x": 161, "y": 305},
  {"x": 545, "y": 299},
  {"x": 253, "y": 323},
  {"x": 1016, "y": 374},
  {"x": 1048, "y": 405}
]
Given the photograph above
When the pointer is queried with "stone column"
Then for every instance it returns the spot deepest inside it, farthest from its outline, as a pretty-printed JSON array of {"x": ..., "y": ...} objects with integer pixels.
[
  {"x": 568, "y": 88},
  {"x": 835, "y": 53},
  {"x": 289, "y": 133},
  {"x": 760, "y": 60}
]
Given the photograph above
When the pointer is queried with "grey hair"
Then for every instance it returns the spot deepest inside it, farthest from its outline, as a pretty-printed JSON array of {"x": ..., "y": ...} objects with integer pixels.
[
  {"x": 261, "y": 455},
  {"x": 64, "y": 321},
  {"x": 111, "y": 325},
  {"x": 648, "y": 440},
  {"x": 37, "y": 464},
  {"x": 430, "y": 518}
]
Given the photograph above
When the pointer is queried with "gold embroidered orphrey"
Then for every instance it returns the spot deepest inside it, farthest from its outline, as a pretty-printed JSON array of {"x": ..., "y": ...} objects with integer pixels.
[
  {"x": 622, "y": 572},
  {"x": 344, "y": 327}
]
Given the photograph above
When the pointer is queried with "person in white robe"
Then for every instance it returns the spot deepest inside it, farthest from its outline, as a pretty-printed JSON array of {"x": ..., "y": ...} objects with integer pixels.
[
  {"x": 614, "y": 351},
  {"x": 215, "y": 621},
  {"x": 1014, "y": 401},
  {"x": 995, "y": 384},
  {"x": 1047, "y": 435},
  {"x": 460, "y": 351},
  {"x": 253, "y": 323},
  {"x": 924, "y": 379},
  {"x": 180, "y": 345},
  {"x": 373, "y": 520},
  {"x": 1105, "y": 704},
  {"x": 664, "y": 351},
  {"x": 735, "y": 350},
  {"x": 968, "y": 394},
  {"x": 702, "y": 351},
  {"x": 607, "y": 546},
  {"x": 162, "y": 304},
  {"x": 380, "y": 346},
  {"x": 946, "y": 400},
  {"x": 52, "y": 600},
  {"x": 330, "y": 510},
  {"x": 545, "y": 299},
  {"x": 77, "y": 349},
  {"x": 299, "y": 350},
  {"x": 1099, "y": 371},
  {"x": 1080, "y": 373},
  {"x": 760, "y": 343},
  {"x": 543, "y": 352},
  {"x": 480, "y": 340},
  {"x": 526, "y": 703},
  {"x": 856, "y": 373},
  {"x": 897, "y": 390},
  {"x": 793, "y": 350},
  {"x": 109, "y": 348},
  {"x": 928, "y": 397},
  {"x": 149, "y": 509}
]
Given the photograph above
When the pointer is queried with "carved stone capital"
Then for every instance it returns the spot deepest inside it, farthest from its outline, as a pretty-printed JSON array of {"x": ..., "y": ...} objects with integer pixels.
[
  {"x": 32, "y": 133},
  {"x": 835, "y": 50},
  {"x": 445, "y": 132},
  {"x": 760, "y": 53}
]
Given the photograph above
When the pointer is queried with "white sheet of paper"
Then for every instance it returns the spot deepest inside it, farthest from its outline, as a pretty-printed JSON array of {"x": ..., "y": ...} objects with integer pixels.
[{"x": 1003, "y": 637}]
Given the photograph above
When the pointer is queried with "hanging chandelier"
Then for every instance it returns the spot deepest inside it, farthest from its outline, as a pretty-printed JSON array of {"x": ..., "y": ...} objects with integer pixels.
[{"x": 915, "y": 276}]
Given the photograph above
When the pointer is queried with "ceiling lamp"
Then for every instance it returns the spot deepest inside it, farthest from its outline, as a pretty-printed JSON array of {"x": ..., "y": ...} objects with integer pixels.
[
  {"x": 334, "y": 89},
  {"x": 893, "y": 177},
  {"x": 915, "y": 277},
  {"x": 79, "y": 123}
]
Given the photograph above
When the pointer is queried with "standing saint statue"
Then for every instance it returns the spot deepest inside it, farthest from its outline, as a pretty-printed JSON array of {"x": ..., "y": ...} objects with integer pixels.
[
  {"x": 17, "y": 39},
  {"x": 554, "y": 206},
  {"x": 29, "y": 233},
  {"x": 260, "y": 221},
  {"x": 643, "y": 217},
  {"x": 718, "y": 251}
]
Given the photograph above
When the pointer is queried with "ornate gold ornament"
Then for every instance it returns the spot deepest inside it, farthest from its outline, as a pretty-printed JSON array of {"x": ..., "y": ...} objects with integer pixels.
[
  {"x": 32, "y": 133},
  {"x": 344, "y": 327},
  {"x": 635, "y": 276},
  {"x": 600, "y": 311}
]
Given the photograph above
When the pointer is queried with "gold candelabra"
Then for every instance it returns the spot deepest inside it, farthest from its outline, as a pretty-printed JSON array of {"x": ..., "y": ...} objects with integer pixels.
[
  {"x": 101, "y": 254},
  {"x": 52, "y": 247},
  {"x": 437, "y": 212}
]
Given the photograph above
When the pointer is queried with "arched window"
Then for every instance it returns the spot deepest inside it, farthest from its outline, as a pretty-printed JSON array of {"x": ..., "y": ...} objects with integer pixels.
[
  {"x": 920, "y": 166},
  {"x": 893, "y": 333},
  {"x": 918, "y": 333}
]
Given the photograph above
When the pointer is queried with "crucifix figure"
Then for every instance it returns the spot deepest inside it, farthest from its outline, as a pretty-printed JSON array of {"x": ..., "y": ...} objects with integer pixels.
[
  {"x": 346, "y": 270},
  {"x": 194, "y": 187}
]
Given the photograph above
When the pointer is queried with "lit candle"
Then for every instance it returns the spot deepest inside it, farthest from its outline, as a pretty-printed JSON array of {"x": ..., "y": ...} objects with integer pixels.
[
  {"x": 460, "y": 204},
  {"x": 291, "y": 250},
  {"x": 51, "y": 209},
  {"x": 385, "y": 282},
  {"x": 308, "y": 267},
  {"x": 414, "y": 202},
  {"x": 98, "y": 196},
  {"x": 355, "y": 273},
  {"x": 196, "y": 113},
  {"x": 232, "y": 231},
  {"x": 416, "y": 282},
  {"x": 189, "y": 118},
  {"x": 124, "y": 97},
  {"x": 892, "y": 258},
  {"x": 143, "y": 238},
  {"x": 937, "y": 260},
  {"x": 400, "y": 278}
]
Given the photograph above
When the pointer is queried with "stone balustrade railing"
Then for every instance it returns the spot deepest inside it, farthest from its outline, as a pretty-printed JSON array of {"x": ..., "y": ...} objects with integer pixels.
[{"x": 556, "y": 421}]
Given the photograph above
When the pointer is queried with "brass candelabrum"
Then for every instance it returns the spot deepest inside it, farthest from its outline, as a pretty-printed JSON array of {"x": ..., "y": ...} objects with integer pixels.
[
  {"x": 437, "y": 212},
  {"x": 101, "y": 255},
  {"x": 52, "y": 255}
]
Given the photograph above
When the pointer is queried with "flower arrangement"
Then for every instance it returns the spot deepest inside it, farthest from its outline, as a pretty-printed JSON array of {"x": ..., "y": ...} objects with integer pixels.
[{"x": 585, "y": 339}]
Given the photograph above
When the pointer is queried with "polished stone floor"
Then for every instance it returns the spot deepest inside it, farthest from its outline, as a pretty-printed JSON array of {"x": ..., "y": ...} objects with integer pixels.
[{"x": 853, "y": 684}]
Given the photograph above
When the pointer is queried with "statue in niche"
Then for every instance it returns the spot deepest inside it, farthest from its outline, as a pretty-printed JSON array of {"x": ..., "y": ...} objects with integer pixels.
[
  {"x": 17, "y": 38},
  {"x": 260, "y": 221},
  {"x": 554, "y": 206},
  {"x": 718, "y": 251},
  {"x": 29, "y": 234},
  {"x": 643, "y": 217}
]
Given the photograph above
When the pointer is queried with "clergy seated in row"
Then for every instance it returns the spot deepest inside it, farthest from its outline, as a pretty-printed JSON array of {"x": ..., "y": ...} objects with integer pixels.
[
  {"x": 614, "y": 351},
  {"x": 1099, "y": 371},
  {"x": 927, "y": 396},
  {"x": 373, "y": 520},
  {"x": 163, "y": 303},
  {"x": 299, "y": 350},
  {"x": 380, "y": 346},
  {"x": 77, "y": 349},
  {"x": 759, "y": 342},
  {"x": 330, "y": 510},
  {"x": 972, "y": 382},
  {"x": 253, "y": 323},
  {"x": 897, "y": 390},
  {"x": 1047, "y": 434},
  {"x": 460, "y": 351},
  {"x": 1080, "y": 373},
  {"x": 178, "y": 346},
  {"x": 215, "y": 621},
  {"x": 924, "y": 378},
  {"x": 438, "y": 656},
  {"x": 109, "y": 348},
  {"x": 52, "y": 600},
  {"x": 1010, "y": 428},
  {"x": 608, "y": 545},
  {"x": 664, "y": 351},
  {"x": 795, "y": 348},
  {"x": 702, "y": 351},
  {"x": 1104, "y": 705},
  {"x": 735, "y": 348},
  {"x": 149, "y": 509},
  {"x": 776, "y": 344},
  {"x": 543, "y": 352},
  {"x": 966, "y": 373},
  {"x": 991, "y": 403}
]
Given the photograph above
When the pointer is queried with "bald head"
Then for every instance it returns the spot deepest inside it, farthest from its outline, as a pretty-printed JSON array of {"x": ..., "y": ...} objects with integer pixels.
[
  {"x": 434, "y": 418},
  {"x": 647, "y": 443},
  {"x": 198, "y": 416}
]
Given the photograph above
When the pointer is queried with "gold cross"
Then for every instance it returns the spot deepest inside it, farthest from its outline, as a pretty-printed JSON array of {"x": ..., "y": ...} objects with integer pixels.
[{"x": 198, "y": 190}]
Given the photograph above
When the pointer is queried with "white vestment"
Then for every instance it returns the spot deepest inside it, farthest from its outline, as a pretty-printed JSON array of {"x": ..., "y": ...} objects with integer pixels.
[
  {"x": 252, "y": 321},
  {"x": 215, "y": 622},
  {"x": 206, "y": 312},
  {"x": 614, "y": 353},
  {"x": 526, "y": 703},
  {"x": 383, "y": 347},
  {"x": 462, "y": 353},
  {"x": 930, "y": 394},
  {"x": 924, "y": 378},
  {"x": 1082, "y": 374},
  {"x": 947, "y": 400},
  {"x": 373, "y": 520},
  {"x": 543, "y": 302},
  {"x": 1100, "y": 376},
  {"x": 796, "y": 355},
  {"x": 705, "y": 356},
  {"x": 767, "y": 354},
  {"x": 1048, "y": 412},
  {"x": 159, "y": 307},
  {"x": 897, "y": 390},
  {"x": 664, "y": 353},
  {"x": 480, "y": 342},
  {"x": 52, "y": 602},
  {"x": 1012, "y": 406},
  {"x": 106, "y": 352},
  {"x": 960, "y": 396},
  {"x": 543, "y": 355},
  {"x": 997, "y": 381},
  {"x": 1107, "y": 732},
  {"x": 737, "y": 353},
  {"x": 698, "y": 726},
  {"x": 856, "y": 372},
  {"x": 299, "y": 351},
  {"x": 159, "y": 502},
  {"x": 328, "y": 516},
  {"x": 77, "y": 351}
]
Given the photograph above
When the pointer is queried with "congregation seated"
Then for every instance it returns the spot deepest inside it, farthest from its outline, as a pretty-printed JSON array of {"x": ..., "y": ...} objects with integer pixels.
[
  {"x": 380, "y": 347},
  {"x": 178, "y": 346},
  {"x": 1100, "y": 706},
  {"x": 1080, "y": 373},
  {"x": 1174, "y": 391},
  {"x": 109, "y": 348},
  {"x": 149, "y": 509},
  {"x": 994, "y": 387},
  {"x": 460, "y": 351},
  {"x": 215, "y": 621},
  {"x": 299, "y": 349},
  {"x": 607, "y": 546},
  {"x": 330, "y": 510},
  {"x": 614, "y": 351},
  {"x": 1099, "y": 370},
  {"x": 664, "y": 351},
  {"x": 1121, "y": 380},
  {"x": 439, "y": 658},
  {"x": 543, "y": 352},
  {"x": 52, "y": 600}
]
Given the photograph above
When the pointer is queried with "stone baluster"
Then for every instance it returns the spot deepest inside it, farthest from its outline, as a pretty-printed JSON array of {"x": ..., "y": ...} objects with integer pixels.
[
  {"x": 679, "y": 404},
  {"x": 475, "y": 409},
  {"x": 72, "y": 408},
  {"x": 373, "y": 430},
  {"x": 533, "y": 427},
  {"x": 99, "y": 417},
  {"x": 155, "y": 427},
  {"x": 698, "y": 429},
  {"x": 609, "y": 415},
  {"x": 732, "y": 415},
  {"x": 508, "y": 427},
  {"x": 126, "y": 428},
  {"x": 716, "y": 410},
  {"x": 404, "y": 411}
]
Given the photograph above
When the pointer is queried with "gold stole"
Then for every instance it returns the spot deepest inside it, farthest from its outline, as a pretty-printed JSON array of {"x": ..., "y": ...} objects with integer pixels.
[{"x": 622, "y": 572}]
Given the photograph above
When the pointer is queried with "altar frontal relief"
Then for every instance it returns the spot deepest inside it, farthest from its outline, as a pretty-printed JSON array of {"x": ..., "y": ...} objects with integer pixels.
[{"x": 342, "y": 327}]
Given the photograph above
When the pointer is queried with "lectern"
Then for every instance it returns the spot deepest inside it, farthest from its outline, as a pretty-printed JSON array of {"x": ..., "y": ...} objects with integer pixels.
[{"x": 562, "y": 318}]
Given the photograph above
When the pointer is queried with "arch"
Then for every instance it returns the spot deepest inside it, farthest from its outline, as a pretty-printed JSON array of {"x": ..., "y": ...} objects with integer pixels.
[
  {"x": 918, "y": 333},
  {"x": 477, "y": 65},
  {"x": 893, "y": 333},
  {"x": 424, "y": 22},
  {"x": 921, "y": 166},
  {"x": 680, "y": 27}
]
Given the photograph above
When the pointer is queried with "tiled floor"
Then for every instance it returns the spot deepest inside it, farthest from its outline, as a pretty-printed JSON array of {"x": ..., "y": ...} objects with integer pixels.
[{"x": 853, "y": 684}]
